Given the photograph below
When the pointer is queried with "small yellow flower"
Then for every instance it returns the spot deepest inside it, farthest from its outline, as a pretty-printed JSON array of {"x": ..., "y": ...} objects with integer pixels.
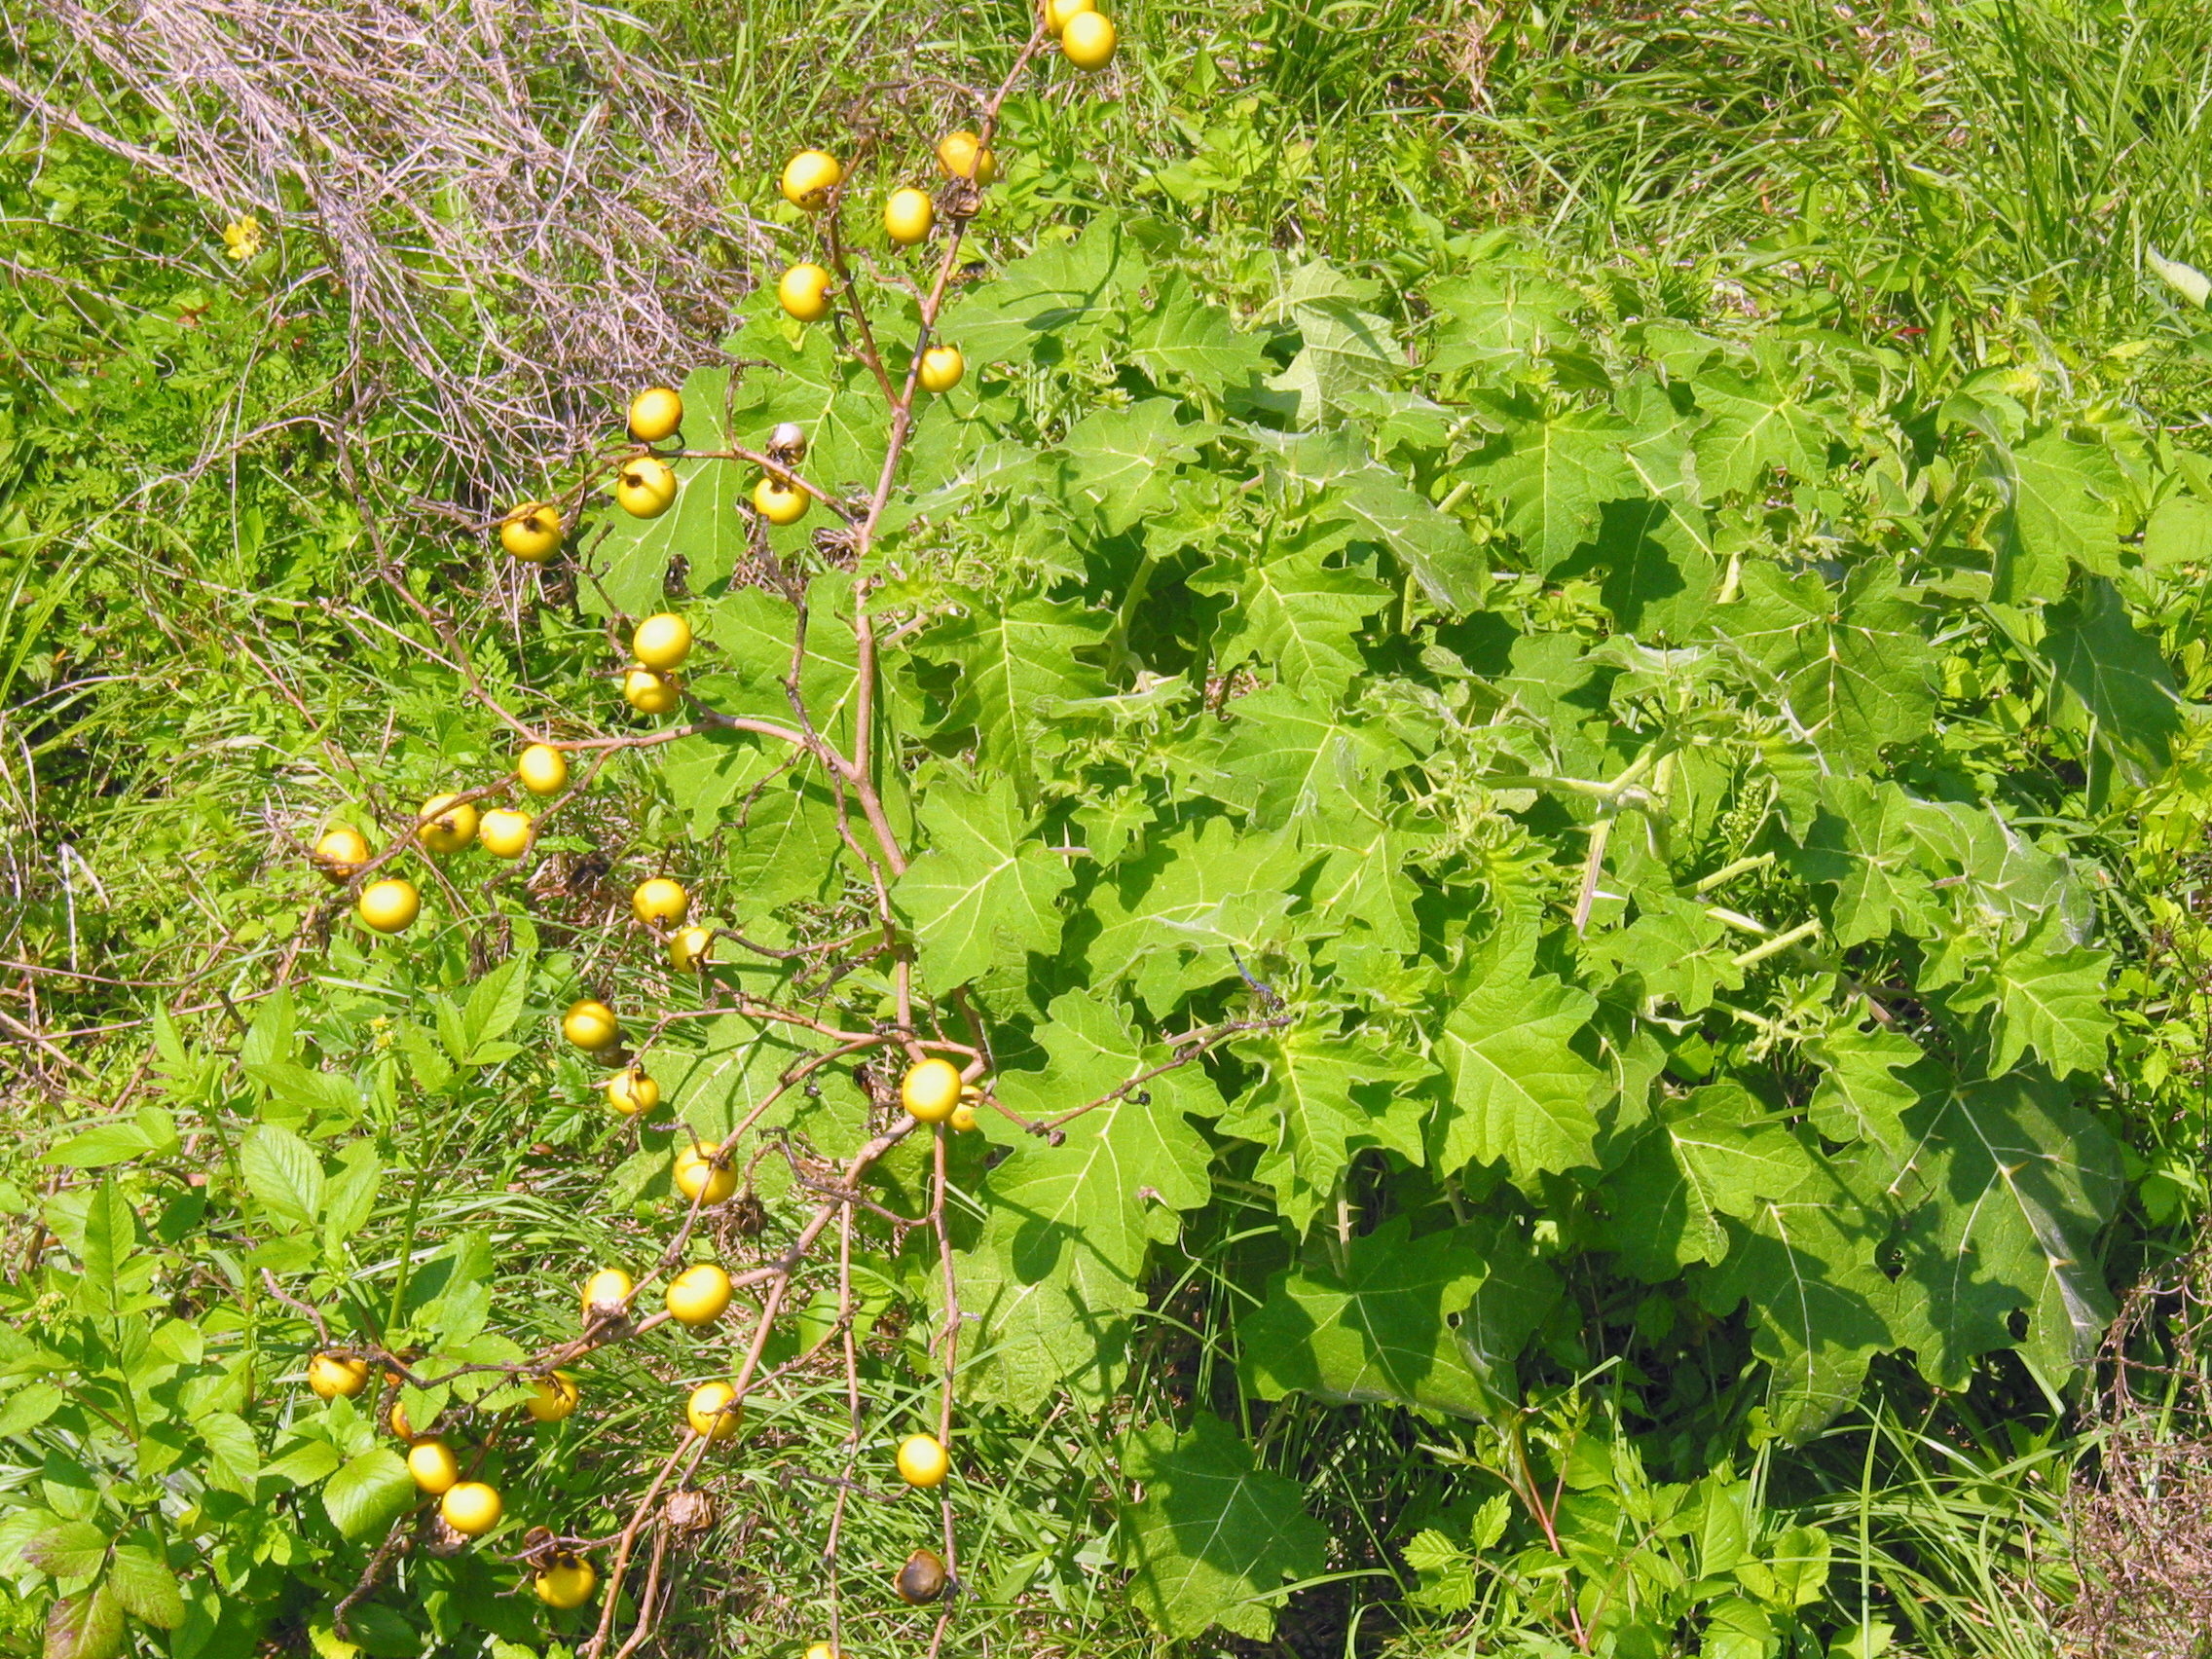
[{"x": 242, "y": 238}]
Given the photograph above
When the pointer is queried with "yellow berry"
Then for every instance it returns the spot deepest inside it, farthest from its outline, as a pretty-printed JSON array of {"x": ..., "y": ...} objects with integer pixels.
[
  {"x": 645, "y": 486},
  {"x": 922, "y": 1460},
  {"x": 590, "y": 1025},
  {"x": 340, "y": 854},
  {"x": 446, "y": 824},
  {"x": 542, "y": 769},
  {"x": 779, "y": 502},
  {"x": 690, "y": 949},
  {"x": 1089, "y": 40},
  {"x": 655, "y": 414},
  {"x": 697, "y": 1176},
  {"x": 662, "y": 642},
  {"x": 504, "y": 833},
  {"x": 931, "y": 1090},
  {"x": 809, "y": 178},
  {"x": 941, "y": 368},
  {"x": 803, "y": 291},
  {"x": 909, "y": 215},
  {"x": 710, "y": 1413},
  {"x": 1058, "y": 11},
  {"x": 433, "y": 1465},
  {"x": 606, "y": 1289},
  {"x": 632, "y": 1091},
  {"x": 389, "y": 906},
  {"x": 698, "y": 1294},
  {"x": 532, "y": 533},
  {"x": 331, "y": 1377},
  {"x": 568, "y": 1583},
  {"x": 471, "y": 1508},
  {"x": 553, "y": 1398},
  {"x": 651, "y": 692},
  {"x": 660, "y": 900},
  {"x": 957, "y": 153}
]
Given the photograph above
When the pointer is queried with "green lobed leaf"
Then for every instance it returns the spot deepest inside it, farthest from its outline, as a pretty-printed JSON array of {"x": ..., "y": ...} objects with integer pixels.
[
  {"x": 1213, "y": 1536},
  {"x": 1518, "y": 1092},
  {"x": 984, "y": 890}
]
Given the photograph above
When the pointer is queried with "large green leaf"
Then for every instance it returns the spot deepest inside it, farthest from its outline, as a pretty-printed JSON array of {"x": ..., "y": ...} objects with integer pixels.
[
  {"x": 2048, "y": 994},
  {"x": 1382, "y": 1331},
  {"x": 1214, "y": 1536},
  {"x": 1762, "y": 423},
  {"x": 2113, "y": 670},
  {"x": 1317, "y": 1097},
  {"x": 1711, "y": 1156},
  {"x": 985, "y": 890},
  {"x": 2060, "y": 495},
  {"x": 1068, "y": 1227},
  {"x": 2014, "y": 1183},
  {"x": 369, "y": 1492},
  {"x": 1519, "y": 1090},
  {"x": 1851, "y": 666},
  {"x": 1555, "y": 476},
  {"x": 1819, "y": 1300},
  {"x": 1011, "y": 659},
  {"x": 1295, "y": 616}
]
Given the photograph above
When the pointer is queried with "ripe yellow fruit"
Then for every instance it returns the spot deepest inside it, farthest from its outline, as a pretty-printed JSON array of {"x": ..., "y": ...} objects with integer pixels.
[
  {"x": 697, "y": 1176},
  {"x": 709, "y": 1412},
  {"x": 662, "y": 642},
  {"x": 606, "y": 1288},
  {"x": 698, "y": 1294},
  {"x": 825, "y": 1651},
  {"x": 778, "y": 501},
  {"x": 655, "y": 414},
  {"x": 632, "y": 1091},
  {"x": 1089, "y": 40},
  {"x": 590, "y": 1025},
  {"x": 645, "y": 486},
  {"x": 341, "y": 853},
  {"x": 433, "y": 1465},
  {"x": 803, "y": 291},
  {"x": 542, "y": 769},
  {"x": 555, "y": 1397},
  {"x": 909, "y": 215},
  {"x": 504, "y": 833},
  {"x": 660, "y": 900},
  {"x": 532, "y": 533},
  {"x": 931, "y": 1090},
  {"x": 389, "y": 906},
  {"x": 809, "y": 178},
  {"x": 941, "y": 368},
  {"x": 957, "y": 153},
  {"x": 1057, "y": 13},
  {"x": 650, "y": 692},
  {"x": 690, "y": 949},
  {"x": 446, "y": 824},
  {"x": 471, "y": 1508},
  {"x": 963, "y": 1117},
  {"x": 922, "y": 1460},
  {"x": 568, "y": 1583},
  {"x": 330, "y": 1377},
  {"x": 922, "y": 1579}
]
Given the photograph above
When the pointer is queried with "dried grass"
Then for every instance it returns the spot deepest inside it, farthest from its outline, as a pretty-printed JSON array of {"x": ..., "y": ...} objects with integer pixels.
[
  {"x": 2142, "y": 1514},
  {"x": 522, "y": 210}
]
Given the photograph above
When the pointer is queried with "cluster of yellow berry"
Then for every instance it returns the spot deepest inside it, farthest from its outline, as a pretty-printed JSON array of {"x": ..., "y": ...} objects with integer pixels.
[
  {"x": 471, "y": 1508},
  {"x": 448, "y": 824}
]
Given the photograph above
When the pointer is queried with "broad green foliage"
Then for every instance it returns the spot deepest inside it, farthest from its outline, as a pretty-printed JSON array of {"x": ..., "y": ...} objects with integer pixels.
[{"x": 1478, "y": 820}]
